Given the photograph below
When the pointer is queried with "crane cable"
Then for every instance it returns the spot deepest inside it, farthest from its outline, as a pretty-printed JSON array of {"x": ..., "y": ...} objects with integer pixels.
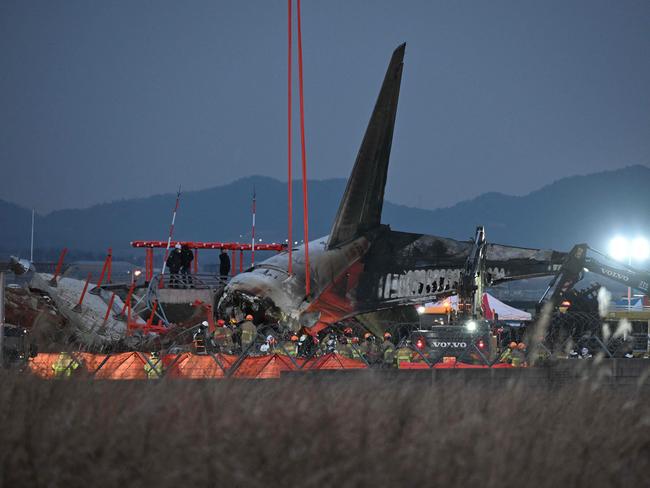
[
  {"x": 304, "y": 156},
  {"x": 290, "y": 177}
]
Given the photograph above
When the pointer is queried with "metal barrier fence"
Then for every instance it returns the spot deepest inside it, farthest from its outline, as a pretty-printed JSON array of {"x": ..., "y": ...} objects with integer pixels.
[
  {"x": 141, "y": 366},
  {"x": 196, "y": 281}
]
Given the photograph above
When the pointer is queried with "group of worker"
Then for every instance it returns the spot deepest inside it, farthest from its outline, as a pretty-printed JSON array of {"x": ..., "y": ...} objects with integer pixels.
[
  {"x": 235, "y": 337},
  {"x": 367, "y": 348},
  {"x": 515, "y": 354},
  {"x": 179, "y": 263},
  {"x": 229, "y": 338}
]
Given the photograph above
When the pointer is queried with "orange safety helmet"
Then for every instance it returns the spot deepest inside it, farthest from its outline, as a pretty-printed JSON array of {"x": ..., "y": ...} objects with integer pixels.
[
  {"x": 294, "y": 338},
  {"x": 249, "y": 317},
  {"x": 355, "y": 340},
  {"x": 347, "y": 330},
  {"x": 387, "y": 335},
  {"x": 221, "y": 323},
  {"x": 366, "y": 335},
  {"x": 521, "y": 346},
  {"x": 512, "y": 345}
]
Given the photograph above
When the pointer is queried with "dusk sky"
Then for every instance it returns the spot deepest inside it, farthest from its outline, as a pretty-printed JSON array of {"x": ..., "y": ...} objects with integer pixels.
[{"x": 102, "y": 100}]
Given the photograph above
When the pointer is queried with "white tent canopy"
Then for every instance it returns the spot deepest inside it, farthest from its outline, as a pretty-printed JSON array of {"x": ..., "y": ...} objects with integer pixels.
[{"x": 490, "y": 305}]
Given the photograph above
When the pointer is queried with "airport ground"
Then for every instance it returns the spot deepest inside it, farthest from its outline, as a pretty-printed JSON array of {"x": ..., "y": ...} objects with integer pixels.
[{"x": 337, "y": 429}]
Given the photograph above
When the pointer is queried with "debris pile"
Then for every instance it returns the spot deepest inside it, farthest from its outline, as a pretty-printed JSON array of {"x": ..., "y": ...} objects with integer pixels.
[{"x": 33, "y": 311}]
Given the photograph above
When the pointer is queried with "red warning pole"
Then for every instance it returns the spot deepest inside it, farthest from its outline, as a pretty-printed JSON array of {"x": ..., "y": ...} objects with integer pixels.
[
  {"x": 104, "y": 268},
  {"x": 153, "y": 313},
  {"x": 127, "y": 300},
  {"x": 196, "y": 261},
  {"x": 289, "y": 117},
  {"x": 110, "y": 307},
  {"x": 110, "y": 265},
  {"x": 304, "y": 157},
  {"x": 148, "y": 264},
  {"x": 241, "y": 260},
  {"x": 77, "y": 307},
  {"x": 232, "y": 261},
  {"x": 210, "y": 316},
  {"x": 57, "y": 272},
  {"x": 128, "y": 316}
]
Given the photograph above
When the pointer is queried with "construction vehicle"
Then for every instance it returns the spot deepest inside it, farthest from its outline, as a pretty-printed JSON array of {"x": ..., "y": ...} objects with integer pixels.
[
  {"x": 464, "y": 335},
  {"x": 576, "y": 315},
  {"x": 577, "y": 263}
]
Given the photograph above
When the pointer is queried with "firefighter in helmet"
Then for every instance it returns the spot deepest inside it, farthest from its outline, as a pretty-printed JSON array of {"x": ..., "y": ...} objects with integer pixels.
[
  {"x": 519, "y": 356},
  {"x": 64, "y": 366},
  {"x": 247, "y": 332},
  {"x": 388, "y": 350},
  {"x": 223, "y": 337},
  {"x": 404, "y": 353},
  {"x": 153, "y": 367},
  {"x": 506, "y": 355}
]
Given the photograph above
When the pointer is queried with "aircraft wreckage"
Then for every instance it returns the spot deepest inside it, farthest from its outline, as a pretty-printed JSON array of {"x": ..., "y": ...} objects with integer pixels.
[{"x": 362, "y": 269}]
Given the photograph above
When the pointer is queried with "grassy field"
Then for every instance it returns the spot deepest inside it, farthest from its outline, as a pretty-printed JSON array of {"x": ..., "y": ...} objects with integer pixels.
[{"x": 336, "y": 431}]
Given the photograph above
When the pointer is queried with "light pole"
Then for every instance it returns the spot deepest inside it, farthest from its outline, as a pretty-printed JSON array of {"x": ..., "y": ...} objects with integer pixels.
[{"x": 621, "y": 248}]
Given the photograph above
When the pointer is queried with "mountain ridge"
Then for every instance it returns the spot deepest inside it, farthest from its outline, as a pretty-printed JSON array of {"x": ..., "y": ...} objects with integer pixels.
[{"x": 574, "y": 209}]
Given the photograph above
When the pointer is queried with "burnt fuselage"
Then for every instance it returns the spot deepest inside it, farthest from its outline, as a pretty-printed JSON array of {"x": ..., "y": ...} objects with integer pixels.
[
  {"x": 363, "y": 267},
  {"x": 381, "y": 270}
]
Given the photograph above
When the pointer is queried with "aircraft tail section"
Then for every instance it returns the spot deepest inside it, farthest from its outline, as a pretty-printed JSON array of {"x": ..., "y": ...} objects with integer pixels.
[{"x": 361, "y": 206}]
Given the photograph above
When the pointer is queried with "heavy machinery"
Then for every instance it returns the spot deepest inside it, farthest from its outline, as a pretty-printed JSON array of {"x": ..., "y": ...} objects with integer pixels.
[
  {"x": 466, "y": 333},
  {"x": 577, "y": 263},
  {"x": 575, "y": 314}
]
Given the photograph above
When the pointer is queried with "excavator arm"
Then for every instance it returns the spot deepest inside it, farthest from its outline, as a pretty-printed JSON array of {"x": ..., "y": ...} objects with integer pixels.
[
  {"x": 577, "y": 262},
  {"x": 627, "y": 275},
  {"x": 472, "y": 280}
]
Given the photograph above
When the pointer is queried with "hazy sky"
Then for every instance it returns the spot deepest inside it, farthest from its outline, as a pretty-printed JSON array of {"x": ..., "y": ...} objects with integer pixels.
[{"x": 101, "y": 100}]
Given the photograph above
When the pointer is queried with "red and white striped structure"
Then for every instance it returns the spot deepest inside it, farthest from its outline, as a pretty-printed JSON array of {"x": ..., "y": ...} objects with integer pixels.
[
  {"x": 171, "y": 230},
  {"x": 196, "y": 245}
]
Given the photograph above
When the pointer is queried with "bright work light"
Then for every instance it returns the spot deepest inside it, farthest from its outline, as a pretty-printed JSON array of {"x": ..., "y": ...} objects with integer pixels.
[
  {"x": 640, "y": 249},
  {"x": 619, "y": 248},
  {"x": 471, "y": 326},
  {"x": 622, "y": 249},
  {"x": 421, "y": 309}
]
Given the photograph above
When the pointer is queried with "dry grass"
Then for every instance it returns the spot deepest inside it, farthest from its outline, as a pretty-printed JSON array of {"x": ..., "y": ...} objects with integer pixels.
[{"x": 343, "y": 431}]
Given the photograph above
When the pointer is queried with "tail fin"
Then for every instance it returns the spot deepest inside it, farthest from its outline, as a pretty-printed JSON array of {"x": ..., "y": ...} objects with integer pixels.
[{"x": 360, "y": 208}]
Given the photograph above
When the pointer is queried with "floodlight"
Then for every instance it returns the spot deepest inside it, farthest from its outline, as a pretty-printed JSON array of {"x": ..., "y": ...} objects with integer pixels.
[
  {"x": 137, "y": 272},
  {"x": 421, "y": 309},
  {"x": 640, "y": 249},
  {"x": 619, "y": 248},
  {"x": 471, "y": 326}
]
